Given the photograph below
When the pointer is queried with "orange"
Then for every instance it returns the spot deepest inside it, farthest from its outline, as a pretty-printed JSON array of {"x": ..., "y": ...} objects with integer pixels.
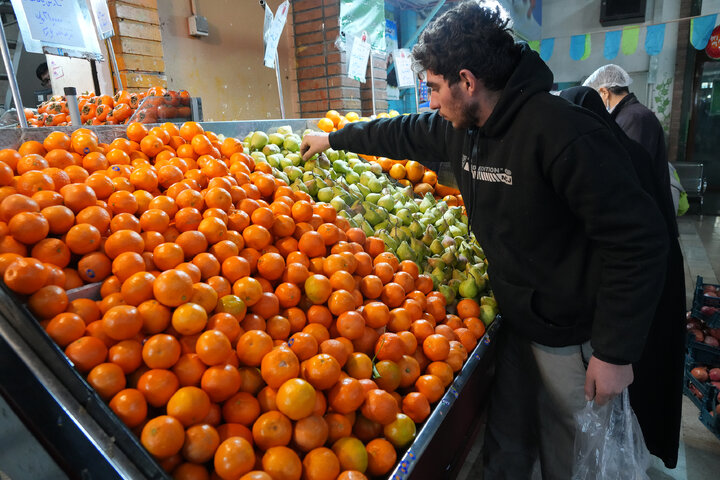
[
  {"x": 158, "y": 385},
  {"x": 278, "y": 366},
  {"x": 389, "y": 375},
  {"x": 173, "y": 288},
  {"x": 310, "y": 433},
  {"x": 381, "y": 456},
  {"x": 65, "y": 328},
  {"x": 201, "y": 441},
  {"x": 161, "y": 351},
  {"x": 252, "y": 346},
  {"x": 242, "y": 408},
  {"x": 221, "y": 382},
  {"x": 351, "y": 453},
  {"x": 60, "y": 218},
  {"x": 317, "y": 289},
  {"x": 127, "y": 355},
  {"x": 272, "y": 429},
  {"x": 296, "y": 398},
  {"x": 122, "y": 322},
  {"x": 436, "y": 347},
  {"x": 233, "y": 458},
  {"x": 86, "y": 352},
  {"x": 401, "y": 431},
  {"x": 130, "y": 406},
  {"x": 163, "y": 436},
  {"x": 358, "y": 365},
  {"x": 312, "y": 244},
  {"x": 213, "y": 347},
  {"x": 189, "y": 318},
  {"x": 346, "y": 396},
  {"x": 25, "y": 275},
  {"x": 189, "y": 405},
  {"x": 321, "y": 464},
  {"x": 282, "y": 463},
  {"x": 430, "y": 386},
  {"x": 322, "y": 371}
]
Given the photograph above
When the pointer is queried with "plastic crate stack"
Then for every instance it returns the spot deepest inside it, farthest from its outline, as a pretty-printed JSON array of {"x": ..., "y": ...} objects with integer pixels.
[{"x": 702, "y": 363}]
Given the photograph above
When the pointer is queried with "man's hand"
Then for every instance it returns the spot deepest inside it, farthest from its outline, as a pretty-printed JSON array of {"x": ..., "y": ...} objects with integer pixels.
[
  {"x": 313, "y": 143},
  {"x": 604, "y": 380}
]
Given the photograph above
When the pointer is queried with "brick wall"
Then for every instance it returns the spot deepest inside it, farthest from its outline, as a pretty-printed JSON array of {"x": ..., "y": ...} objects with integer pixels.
[
  {"x": 138, "y": 44},
  {"x": 322, "y": 69}
]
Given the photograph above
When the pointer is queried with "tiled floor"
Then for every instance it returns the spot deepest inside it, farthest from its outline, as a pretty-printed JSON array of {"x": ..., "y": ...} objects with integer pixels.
[{"x": 699, "y": 455}]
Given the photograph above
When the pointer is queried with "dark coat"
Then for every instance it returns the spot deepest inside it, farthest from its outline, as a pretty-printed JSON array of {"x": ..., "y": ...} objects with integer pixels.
[
  {"x": 656, "y": 393},
  {"x": 576, "y": 248}
]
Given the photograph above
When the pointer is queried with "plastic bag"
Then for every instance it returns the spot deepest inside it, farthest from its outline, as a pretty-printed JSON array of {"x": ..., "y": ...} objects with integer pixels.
[{"x": 609, "y": 443}]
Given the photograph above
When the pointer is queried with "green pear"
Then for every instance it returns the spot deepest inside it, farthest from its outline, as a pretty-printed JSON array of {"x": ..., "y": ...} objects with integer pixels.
[
  {"x": 376, "y": 168},
  {"x": 488, "y": 314},
  {"x": 270, "y": 149},
  {"x": 258, "y": 140},
  {"x": 339, "y": 204},
  {"x": 387, "y": 202},
  {"x": 276, "y": 139},
  {"x": 447, "y": 292},
  {"x": 259, "y": 157},
  {"x": 332, "y": 155},
  {"x": 404, "y": 252},
  {"x": 468, "y": 288},
  {"x": 376, "y": 185},
  {"x": 292, "y": 143},
  {"x": 361, "y": 167},
  {"x": 285, "y": 130},
  {"x": 352, "y": 177},
  {"x": 487, "y": 300}
]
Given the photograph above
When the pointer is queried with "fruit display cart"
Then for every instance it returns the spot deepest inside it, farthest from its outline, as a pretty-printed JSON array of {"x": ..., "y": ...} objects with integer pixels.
[{"x": 79, "y": 430}]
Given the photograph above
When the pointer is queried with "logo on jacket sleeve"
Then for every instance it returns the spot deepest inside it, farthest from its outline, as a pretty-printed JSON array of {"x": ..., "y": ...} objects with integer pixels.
[{"x": 489, "y": 174}]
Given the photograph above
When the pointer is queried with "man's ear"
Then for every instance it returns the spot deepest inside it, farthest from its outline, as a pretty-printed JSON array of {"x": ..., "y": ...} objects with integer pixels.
[{"x": 468, "y": 80}]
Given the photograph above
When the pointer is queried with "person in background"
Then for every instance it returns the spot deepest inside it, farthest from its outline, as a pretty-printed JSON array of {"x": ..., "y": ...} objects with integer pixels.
[
  {"x": 656, "y": 392},
  {"x": 576, "y": 249},
  {"x": 636, "y": 120},
  {"x": 43, "y": 74}
]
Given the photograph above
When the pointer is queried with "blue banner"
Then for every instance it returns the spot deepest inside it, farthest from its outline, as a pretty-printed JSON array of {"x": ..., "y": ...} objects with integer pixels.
[
  {"x": 700, "y": 30},
  {"x": 612, "y": 44},
  {"x": 546, "y": 48},
  {"x": 654, "y": 39},
  {"x": 577, "y": 46}
]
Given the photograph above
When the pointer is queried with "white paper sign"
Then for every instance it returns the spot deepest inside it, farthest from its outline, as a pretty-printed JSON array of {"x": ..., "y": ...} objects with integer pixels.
[
  {"x": 403, "y": 68},
  {"x": 273, "y": 32},
  {"x": 102, "y": 18},
  {"x": 54, "y": 22},
  {"x": 359, "y": 55}
]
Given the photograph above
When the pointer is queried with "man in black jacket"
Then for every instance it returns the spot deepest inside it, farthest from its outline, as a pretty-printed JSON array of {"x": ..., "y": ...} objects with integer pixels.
[
  {"x": 637, "y": 121},
  {"x": 576, "y": 249}
]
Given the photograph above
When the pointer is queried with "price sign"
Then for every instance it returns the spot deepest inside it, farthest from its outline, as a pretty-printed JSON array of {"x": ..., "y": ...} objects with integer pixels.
[
  {"x": 102, "y": 18},
  {"x": 57, "y": 27},
  {"x": 272, "y": 35},
  {"x": 403, "y": 68},
  {"x": 359, "y": 55}
]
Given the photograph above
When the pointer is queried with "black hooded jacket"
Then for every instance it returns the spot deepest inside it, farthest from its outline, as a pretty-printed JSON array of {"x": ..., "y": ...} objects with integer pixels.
[{"x": 576, "y": 250}]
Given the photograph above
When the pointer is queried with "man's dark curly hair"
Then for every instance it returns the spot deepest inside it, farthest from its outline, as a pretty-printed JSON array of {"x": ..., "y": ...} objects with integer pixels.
[{"x": 469, "y": 36}]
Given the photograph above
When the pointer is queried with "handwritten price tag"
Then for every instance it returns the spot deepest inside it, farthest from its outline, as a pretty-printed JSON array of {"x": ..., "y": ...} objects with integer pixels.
[
  {"x": 102, "y": 18},
  {"x": 403, "y": 68},
  {"x": 359, "y": 55},
  {"x": 54, "y": 22}
]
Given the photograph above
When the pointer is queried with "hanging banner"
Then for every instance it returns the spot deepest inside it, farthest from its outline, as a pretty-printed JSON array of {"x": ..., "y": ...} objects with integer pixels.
[
  {"x": 546, "y": 48},
  {"x": 272, "y": 35},
  {"x": 713, "y": 45},
  {"x": 612, "y": 44},
  {"x": 700, "y": 30},
  {"x": 526, "y": 17},
  {"x": 366, "y": 17},
  {"x": 654, "y": 39},
  {"x": 534, "y": 45},
  {"x": 579, "y": 47},
  {"x": 630, "y": 37},
  {"x": 403, "y": 68},
  {"x": 359, "y": 55}
]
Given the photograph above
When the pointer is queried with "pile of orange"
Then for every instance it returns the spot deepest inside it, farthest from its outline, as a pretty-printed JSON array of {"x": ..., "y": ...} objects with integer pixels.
[
  {"x": 242, "y": 330},
  {"x": 406, "y": 172},
  {"x": 112, "y": 110}
]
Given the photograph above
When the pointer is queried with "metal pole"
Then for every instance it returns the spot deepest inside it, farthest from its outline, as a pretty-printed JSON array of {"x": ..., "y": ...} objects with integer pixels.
[
  {"x": 11, "y": 78},
  {"x": 72, "y": 104},
  {"x": 372, "y": 81},
  {"x": 115, "y": 69},
  {"x": 280, "y": 92}
]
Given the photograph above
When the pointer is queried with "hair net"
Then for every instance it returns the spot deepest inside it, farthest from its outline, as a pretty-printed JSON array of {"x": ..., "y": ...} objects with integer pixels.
[{"x": 608, "y": 76}]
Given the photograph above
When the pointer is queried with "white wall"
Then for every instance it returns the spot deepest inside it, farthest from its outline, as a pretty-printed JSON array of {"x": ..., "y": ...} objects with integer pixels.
[
  {"x": 710, "y": 6},
  {"x": 565, "y": 18}
]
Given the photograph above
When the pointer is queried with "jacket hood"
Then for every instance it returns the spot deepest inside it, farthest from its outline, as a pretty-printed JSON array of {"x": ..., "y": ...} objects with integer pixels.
[{"x": 531, "y": 76}]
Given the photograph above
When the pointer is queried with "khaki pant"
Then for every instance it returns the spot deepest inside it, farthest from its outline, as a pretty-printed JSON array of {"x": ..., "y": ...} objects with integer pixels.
[{"x": 536, "y": 392}]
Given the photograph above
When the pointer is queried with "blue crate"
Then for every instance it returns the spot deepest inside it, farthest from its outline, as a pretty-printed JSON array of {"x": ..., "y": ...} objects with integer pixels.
[
  {"x": 710, "y": 418},
  {"x": 700, "y": 300}
]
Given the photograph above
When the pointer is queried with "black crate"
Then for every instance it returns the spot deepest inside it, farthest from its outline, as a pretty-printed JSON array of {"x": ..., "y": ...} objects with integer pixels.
[
  {"x": 706, "y": 389},
  {"x": 710, "y": 418},
  {"x": 700, "y": 300},
  {"x": 702, "y": 353}
]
